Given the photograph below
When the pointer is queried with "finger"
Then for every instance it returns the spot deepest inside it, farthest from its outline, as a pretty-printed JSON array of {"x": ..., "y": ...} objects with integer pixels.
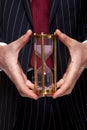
[
  {"x": 69, "y": 42},
  {"x": 18, "y": 44},
  {"x": 28, "y": 83},
  {"x": 15, "y": 74},
  {"x": 27, "y": 87},
  {"x": 60, "y": 82},
  {"x": 26, "y": 92},
  {"x": 63, "y": 90},
  {"x": 70, "y": 79}
]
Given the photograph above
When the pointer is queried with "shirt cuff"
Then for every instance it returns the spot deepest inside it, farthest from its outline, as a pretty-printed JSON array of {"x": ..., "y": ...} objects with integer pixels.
[
  {"x": 84, "y": 41},
  {"x": 2, "y": 44}
]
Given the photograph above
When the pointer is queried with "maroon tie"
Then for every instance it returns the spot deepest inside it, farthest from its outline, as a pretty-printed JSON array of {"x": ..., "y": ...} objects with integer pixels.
[{"x": 40, "y": 16}]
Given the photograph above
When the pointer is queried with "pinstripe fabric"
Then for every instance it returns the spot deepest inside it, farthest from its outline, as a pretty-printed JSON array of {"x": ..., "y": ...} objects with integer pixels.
[{"x": 65, "y": 113}]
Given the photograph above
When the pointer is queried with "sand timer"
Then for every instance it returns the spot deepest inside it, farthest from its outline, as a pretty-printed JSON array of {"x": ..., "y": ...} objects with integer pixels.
[{"x": 44, "y": 77}]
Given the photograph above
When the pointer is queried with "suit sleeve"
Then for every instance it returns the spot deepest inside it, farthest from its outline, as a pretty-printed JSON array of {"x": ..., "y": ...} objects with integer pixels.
[
  {"x": 84, "y": 19},
  {"x": 1, "y": 35}
]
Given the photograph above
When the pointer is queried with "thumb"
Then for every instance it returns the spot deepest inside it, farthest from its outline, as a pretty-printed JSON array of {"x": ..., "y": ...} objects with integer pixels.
[
  {"x": 69, "y": 42},
  {"x": 19, "y": 43}
]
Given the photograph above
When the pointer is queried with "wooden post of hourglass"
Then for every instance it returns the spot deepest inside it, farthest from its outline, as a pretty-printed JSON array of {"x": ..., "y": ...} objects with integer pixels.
[
  {"x": 42, "y": 58},
  {"x": 35, "y": 63},
  {"x": 55, "y": 63}
]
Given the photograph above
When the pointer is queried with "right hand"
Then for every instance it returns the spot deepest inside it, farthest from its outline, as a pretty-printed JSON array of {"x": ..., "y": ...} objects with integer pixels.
[
  {"x": 77, "y": 63},
  {"x": 10, "y": 65}
]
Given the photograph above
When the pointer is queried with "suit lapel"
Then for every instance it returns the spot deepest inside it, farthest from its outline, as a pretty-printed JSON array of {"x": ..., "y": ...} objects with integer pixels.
[
  {"x": 26, "y": 4},
  {"x": 54, "y": 6}
]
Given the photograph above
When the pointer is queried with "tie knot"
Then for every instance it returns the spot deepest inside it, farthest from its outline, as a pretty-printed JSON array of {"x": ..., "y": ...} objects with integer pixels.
[
  {"x": 41, "y": 5},
  {"x": 41, "y": 2}
]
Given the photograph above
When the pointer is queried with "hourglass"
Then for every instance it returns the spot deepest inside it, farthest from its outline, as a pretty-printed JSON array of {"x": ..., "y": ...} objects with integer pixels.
[{"x": 44, "y": 77}]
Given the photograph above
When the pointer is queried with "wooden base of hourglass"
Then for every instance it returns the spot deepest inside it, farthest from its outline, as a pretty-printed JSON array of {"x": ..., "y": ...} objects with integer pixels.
[{"x": 42, "y": 93}]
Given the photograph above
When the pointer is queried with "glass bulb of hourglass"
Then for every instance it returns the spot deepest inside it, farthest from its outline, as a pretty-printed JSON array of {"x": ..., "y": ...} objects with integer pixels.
[
  {"x": 48, "y": 78},
  {"x": 48, "y": 75}
]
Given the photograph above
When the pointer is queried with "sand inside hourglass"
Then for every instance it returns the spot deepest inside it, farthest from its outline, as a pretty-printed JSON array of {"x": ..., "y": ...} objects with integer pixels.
[{"x": 47, "y": 50}]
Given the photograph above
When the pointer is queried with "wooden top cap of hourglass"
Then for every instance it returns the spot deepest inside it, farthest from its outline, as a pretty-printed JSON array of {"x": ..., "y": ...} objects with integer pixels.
[{"x": 44, "y": 35}]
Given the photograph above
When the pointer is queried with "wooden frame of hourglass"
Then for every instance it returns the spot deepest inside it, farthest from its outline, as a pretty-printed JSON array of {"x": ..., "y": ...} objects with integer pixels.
[{"x": 43, "y": 91}]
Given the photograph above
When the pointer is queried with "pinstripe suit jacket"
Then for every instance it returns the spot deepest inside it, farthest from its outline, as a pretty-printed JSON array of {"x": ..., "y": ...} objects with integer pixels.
[{"x": 65, "y": 113}]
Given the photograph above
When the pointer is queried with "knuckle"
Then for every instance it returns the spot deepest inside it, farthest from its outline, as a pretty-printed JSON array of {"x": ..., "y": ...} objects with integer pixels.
[
  {"x": 23, "y": 39},
  {"x": 69, "y": 91},
  {"x": 21, "y": 93}
]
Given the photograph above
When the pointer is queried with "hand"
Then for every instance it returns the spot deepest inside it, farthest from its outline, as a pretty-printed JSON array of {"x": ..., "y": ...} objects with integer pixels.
[
  {"x": 77, "y": 63},
  {"x": 10, "y": 65}
]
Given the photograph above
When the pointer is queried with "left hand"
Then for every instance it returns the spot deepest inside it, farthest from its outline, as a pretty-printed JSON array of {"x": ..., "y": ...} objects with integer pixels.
[
  {"x": 77, "y": 63},
  {"x": 9, "y": 63}
]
